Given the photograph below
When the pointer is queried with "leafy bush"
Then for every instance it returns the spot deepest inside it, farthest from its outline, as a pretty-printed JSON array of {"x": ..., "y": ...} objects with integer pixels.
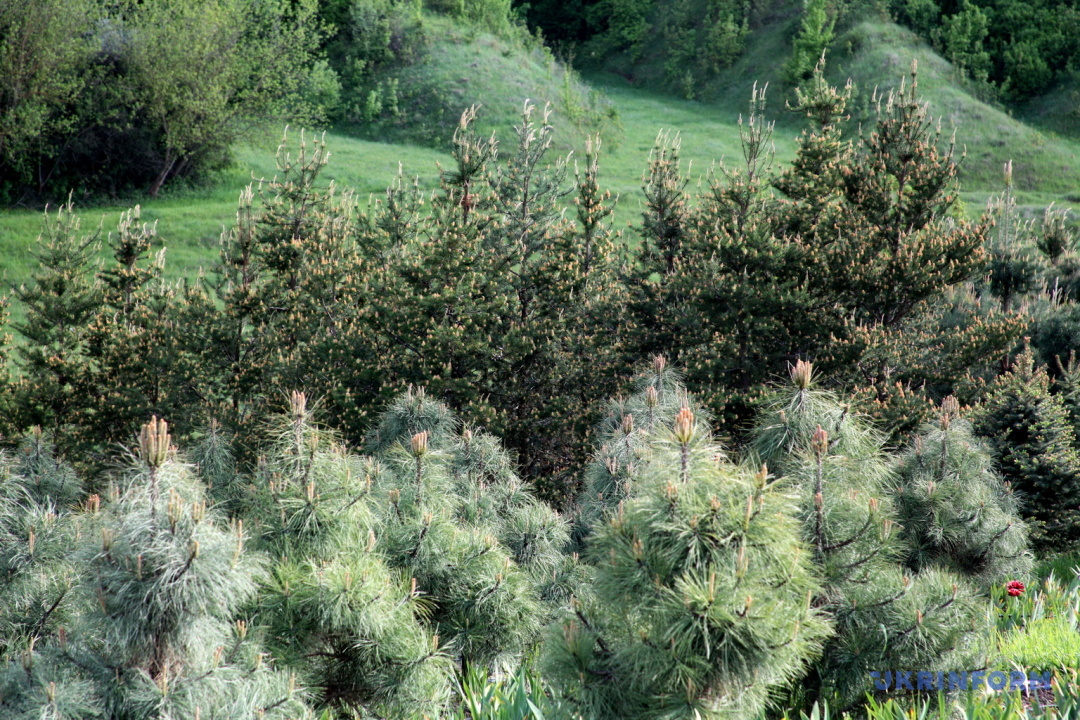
[{"x": 135, "y": 94}]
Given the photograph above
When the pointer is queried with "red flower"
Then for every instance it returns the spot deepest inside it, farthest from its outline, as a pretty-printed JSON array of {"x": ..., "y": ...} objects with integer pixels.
[{"x": 1015, "y": 587}]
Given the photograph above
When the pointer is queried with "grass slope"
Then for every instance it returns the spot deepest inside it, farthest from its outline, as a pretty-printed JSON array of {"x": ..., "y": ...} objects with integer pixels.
[
  {"x": 876, "y": 53},
  {"x": 1046, "y": 167},
  {"x": 467, "y": 68},
  {"x": 463, "y": 66},
  {"x": 190, "y": 222}
]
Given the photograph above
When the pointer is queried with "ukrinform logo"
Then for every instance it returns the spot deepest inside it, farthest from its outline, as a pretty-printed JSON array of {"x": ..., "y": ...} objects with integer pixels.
[{"x": 995, "y": 680}]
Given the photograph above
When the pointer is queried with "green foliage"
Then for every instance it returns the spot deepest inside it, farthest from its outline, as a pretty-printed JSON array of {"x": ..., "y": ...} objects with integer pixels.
[
  {"x": 519, "y": 697},
  {"x": 110, "y": 96},
  {"x": 961, "y": 37},
  {"x": 853, "y": 262},
  {"x": 885, "y": 615},
  {"x": 60, "y": 305},
  {"x": 1034, "y": 448},
  {"x": 812, "y": 40},
  {"x": 154, "y": 629},
  {"x": 697, "y": 602},
  {"x": 1050, "y": 643},
  {"x": 1016, "y": 265},
  {"x": 1019, "y": 48},
  {"x": 391, "y": 570},
  {"x": 337, "y": 613},
  {"x": 38, "y": 527},
  {"x": 955, "y": 511},
  {"x": 43, "y": 54}
]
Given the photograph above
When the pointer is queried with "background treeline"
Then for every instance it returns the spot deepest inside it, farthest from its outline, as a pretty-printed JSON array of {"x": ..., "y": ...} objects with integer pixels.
[
  {"x": 1018, "y": 48},
  {"x": 1015, "y": 50},
  {"x": 117, "y": 98}
]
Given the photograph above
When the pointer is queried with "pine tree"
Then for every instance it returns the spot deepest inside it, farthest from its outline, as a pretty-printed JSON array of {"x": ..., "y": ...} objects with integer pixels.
[
  {"x": 158, "y": 633},
  {"x": 1015, "y": 263},
  {"x": 393, "y": 569},
  {"x": 811, "y": 41},
  {"x": 60, "y": 304},
  {"x": 697, "y": 600},
  {"x": 885, "y": 615},
  {"x": 38, "y": 527},
  {"x": 131, "y": 341},
  {"x": 1034, "y": 449},
  {"x": 955, "y": 511},
  {"x": 337, "y": 613},
  {"x": 454, "y": 515}
]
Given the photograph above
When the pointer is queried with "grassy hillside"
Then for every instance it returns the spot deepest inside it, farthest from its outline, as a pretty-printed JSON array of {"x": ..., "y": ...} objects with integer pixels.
[
  {"x": 462, "y": 67},
  {"x": 189, "y": 222},
  {"x": 875, "y": 54},
  {"x": 1046, "y": 166}
]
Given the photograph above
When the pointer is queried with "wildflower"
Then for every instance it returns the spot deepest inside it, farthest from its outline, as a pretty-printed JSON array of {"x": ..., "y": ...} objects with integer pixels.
[{"x": 1014, "y": 587}]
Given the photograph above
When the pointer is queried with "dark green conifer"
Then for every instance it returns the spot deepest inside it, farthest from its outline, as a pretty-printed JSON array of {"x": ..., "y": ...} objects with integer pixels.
[
  {"x": 1034, "y": 448},
  {"x": 60, "y": 304}
]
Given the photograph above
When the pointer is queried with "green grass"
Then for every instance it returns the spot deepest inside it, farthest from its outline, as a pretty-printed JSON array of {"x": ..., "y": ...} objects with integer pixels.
[
  {"x": 1042, "y": 645},
  {"x": 1046, "y": 167},
  {"x": 190, "y": 222},
  {"x": 462, "y": 67}
]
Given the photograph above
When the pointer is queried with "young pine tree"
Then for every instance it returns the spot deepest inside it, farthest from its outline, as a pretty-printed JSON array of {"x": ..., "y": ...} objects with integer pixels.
[
  {"x": 60, "y": 304},
  {"x": 885, "y": 615},
  {"x": 453, "y": 514},
  {"x": 1034, "y": 449},
  {"x": 158, "y": 633},
  {"x": 955, "y": 511},
  {"x": 337, "y": 614},
  {"x": 697, "y": 600},
  {"x": 38, "y": 527}
]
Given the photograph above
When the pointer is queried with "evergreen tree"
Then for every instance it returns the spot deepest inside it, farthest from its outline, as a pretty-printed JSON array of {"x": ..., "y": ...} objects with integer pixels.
[
  {"x": 392, "y": 569},
  {"x": 131, "y": 341},
  {"x": 337, "y": 613},
  {"x": 454, "y": 515},
  {"x": 885, "y": 615},
  {"x": 811, "y": 41},
  {"x": 697, "y": 600},
  {"x": 1034, "y": 449},
  {"x": 1016, "y": 265},
  {"x": 158, "y": 633},
  {"x": 848, "y": 256},
  {"x": 955, "y": 511},
  {"x": 38, "y": 527},
  {"x": 60, "y": 304}
]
